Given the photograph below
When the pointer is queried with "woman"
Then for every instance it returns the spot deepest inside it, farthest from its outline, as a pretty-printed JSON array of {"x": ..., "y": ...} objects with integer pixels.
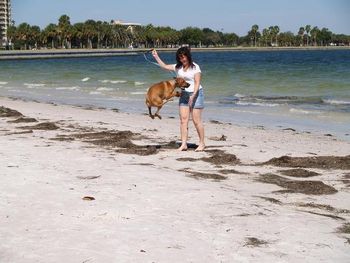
[{"x": 192, "y": 98}]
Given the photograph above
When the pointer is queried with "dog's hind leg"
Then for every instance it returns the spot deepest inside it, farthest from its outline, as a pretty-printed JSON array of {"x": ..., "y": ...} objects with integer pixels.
[
  {"x": 157, "y": 112},
  {"x": 149, "y": 109},
  {"x": 150, "y": 112}
]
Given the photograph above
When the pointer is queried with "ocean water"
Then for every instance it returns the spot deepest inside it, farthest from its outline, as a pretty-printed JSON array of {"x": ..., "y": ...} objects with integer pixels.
[{"x": 304, "y": 90}]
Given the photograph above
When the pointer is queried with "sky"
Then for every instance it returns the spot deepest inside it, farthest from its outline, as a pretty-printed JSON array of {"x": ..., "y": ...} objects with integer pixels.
[{"x": 229, "y": 16}]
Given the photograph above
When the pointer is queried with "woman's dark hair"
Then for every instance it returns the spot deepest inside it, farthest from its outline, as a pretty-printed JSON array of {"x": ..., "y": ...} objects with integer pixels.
[{"x": 183, "y": 51}]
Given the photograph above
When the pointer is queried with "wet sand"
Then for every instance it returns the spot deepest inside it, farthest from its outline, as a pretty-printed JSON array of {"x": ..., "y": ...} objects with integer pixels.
[{"x": 96, "y": 185}]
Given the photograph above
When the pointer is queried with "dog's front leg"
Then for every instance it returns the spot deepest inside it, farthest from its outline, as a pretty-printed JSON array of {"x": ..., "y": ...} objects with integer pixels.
[{"x": 171, "y": 99}]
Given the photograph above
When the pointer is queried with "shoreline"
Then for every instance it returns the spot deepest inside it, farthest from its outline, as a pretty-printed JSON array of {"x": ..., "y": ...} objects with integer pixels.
[
  {"x": 211, "y": 115},
  {"x": 95, "y": 185},
  {"x": 76, "y": 53}
]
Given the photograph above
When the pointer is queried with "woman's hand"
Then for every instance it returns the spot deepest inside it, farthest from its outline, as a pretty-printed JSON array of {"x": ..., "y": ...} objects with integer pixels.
[
  {"x": 190, "y": 101},
  {"x": 154, "y": 53},
  {"x": 160, "y": 62}
]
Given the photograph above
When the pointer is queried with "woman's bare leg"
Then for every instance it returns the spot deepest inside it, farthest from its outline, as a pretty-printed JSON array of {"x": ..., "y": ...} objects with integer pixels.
[
  {"x": 198, "y": 123},
  {"x": 184, "y": 118}
]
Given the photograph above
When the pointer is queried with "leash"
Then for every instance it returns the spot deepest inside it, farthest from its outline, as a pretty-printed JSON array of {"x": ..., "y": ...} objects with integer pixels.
[
  {"x": 144, "y": 55},
  {"x": 154, "y": 63}
]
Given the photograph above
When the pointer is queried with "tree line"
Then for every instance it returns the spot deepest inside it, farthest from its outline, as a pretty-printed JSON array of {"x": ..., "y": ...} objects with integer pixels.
[{"x": 102, "y": 34}]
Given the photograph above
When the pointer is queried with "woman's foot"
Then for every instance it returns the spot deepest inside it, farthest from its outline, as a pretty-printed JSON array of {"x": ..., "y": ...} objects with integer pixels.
[
  {"x": 200, "y": 148},
  {"x": 183, "y": 147}
]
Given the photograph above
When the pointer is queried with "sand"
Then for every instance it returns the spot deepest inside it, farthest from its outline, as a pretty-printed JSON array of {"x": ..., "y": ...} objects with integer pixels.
[{"x": 95, "y": 185}]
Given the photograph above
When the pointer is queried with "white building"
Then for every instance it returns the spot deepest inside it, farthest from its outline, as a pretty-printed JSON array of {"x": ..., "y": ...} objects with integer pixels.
[
  {"x": 130, "y": 26},
  {"x": 5, "y": 19},
  {"x": 120, "y": 22}
]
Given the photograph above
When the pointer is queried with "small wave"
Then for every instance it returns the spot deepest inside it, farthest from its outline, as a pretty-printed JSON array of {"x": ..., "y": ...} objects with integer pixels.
[
  {"x": 3, "y": 82},
  {"x": 139, "y": 83},
  {"x": 94, "y": 92},
  {"x": 112, "y": 81},
  {"x": 15, "y": 90},
  {"x": 336, "y": 102},
  {"x": 118, "y": 81},
  {"x": 33, "y": 85},
  {"x": 85, "y": 79},
  {"x": 293, "y": 110},
  {"x": 245, "y": 111},
  {"x": 138, "y": 93},
  {"x": 257, "y": 104},
  {"x": 67, "y": 88},
  {"x": 272, "y": 100},
  {"x": 238, "y": 95},
  {"x": 104, "y": 89}
]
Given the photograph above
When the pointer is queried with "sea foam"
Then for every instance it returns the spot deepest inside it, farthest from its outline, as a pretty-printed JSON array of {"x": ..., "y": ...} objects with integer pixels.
[
  {"x": 336, "y": 102},
  {"x": 300, "y": 111},
  {"x": 94, "y": 92},
  {"x": 33, "y": 85},
  {"x": 112, "y": 81},
  {"x": 104, "y": 89},
  {"x": 67, "y": 88},
  {"x": 257, "y": 104}
]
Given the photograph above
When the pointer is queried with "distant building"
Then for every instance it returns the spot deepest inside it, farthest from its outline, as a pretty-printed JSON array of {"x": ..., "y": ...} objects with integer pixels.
[
  {"x": 5, "y": 19},
  {"x": 120, "y": 22},
  {"x": 130, "y": 26}
]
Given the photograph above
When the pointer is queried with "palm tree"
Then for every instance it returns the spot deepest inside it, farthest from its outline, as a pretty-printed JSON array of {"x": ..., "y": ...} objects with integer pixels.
[
  {"x": 121, "y": 37},
  {"x": 265, "y": 35},
  {"x": 106, "y": 33},
  {"x": 34, "y": 36},
  {"x": 100, "y": 33},
  {"x": 89, "y": 32},
  {"x": 78, "y": 34},
  {"x": 314, "y": 31},
  {"x": 11, "y": 35},
  {"x": 307, "y": 30},
  {"x": 51, "y": 33},
  {"x": 276, "y": 30},
  {"x": 150, "y": 35},
  {"x": 229, "y": 39},
  {"x": 23, "y": 32},
  {"x": 271, "y": 34},
  {"x": 254, "y": 30},
  {"x": 301, "y": 34},
  {"x": 65, "y": 31},
  {"x": 286, "y": 39}
]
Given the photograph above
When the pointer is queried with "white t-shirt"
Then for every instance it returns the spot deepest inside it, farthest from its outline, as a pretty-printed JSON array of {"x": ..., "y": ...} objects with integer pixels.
[{"x": 188, "y": 75}]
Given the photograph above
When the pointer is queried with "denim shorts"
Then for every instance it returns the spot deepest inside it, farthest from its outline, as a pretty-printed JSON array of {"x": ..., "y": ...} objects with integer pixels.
[{"x": 198, "y": 102}]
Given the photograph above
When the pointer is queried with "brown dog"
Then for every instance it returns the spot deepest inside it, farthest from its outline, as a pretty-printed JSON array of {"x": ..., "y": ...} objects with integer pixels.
[{"x": 162, "y": 92}]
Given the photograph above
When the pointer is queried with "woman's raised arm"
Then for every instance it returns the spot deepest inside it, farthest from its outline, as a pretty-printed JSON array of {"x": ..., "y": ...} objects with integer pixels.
[{"x": 160, "y": 62}]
